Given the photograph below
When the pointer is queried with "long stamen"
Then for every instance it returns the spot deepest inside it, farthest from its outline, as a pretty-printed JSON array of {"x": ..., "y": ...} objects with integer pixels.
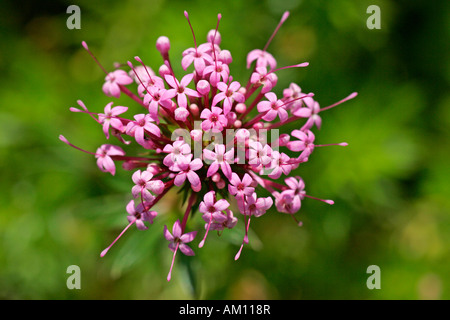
[
  {"x": 219, "y": 16},
  {"x": 300, "y": 65},
  {"x": 85, "y": 110},
  {"x": 342, "y": 144},
  {"x": 187, "y": 17},
  {"x": 169, "y": 276},
  {"x": 351, "y": 96},
  {"x": 331, "y": 202},
  {"x": 283, "y": 19},
  {"x": 137, "y": 76},
  {"x": 118, "y": 237},
  {"x": 201, "y": 244},
  {"x": 63, "y": 139},
  {"x": 145, "y": 67},
  {"x": 85, "y": 46}
]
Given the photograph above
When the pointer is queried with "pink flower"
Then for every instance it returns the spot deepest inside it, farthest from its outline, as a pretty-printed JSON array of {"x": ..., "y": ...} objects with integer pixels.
[
  {"x": 262, "y": 78},
  {"x": 221, "y": 220},
  {"x": 218, "y": 71},
  {"x": 220, "y": 159},
  {"x": 178, "y": 149},
  {"x": 178, "y": 240},
  {"x": 180, "y": 89},
  {"x": 257, "y": 206},
  {"x": 143, "y": 123},
  {"x": 286, "y": 202},
  {"x": 229, "y": 94},
  {"x": 238, "y": 187},
  {"x": 272, "y": 108},
  {"x": 214, "y": 119},
  {"x": 156, "y": 97},
  {"x": 173, "y": 149},
  {"x": 280, "y": 164},
  {"x": 139, "y": 215},
  {"x": 259, "y": 154},
  {"x": 114, "y": 80},
  {"x": 109, "y": 118},
  {"x": 304, "y": 144},
  {"x": 263, "y": 59},
  {"x": 199, "y": 56},
  {"x": 144, "y": 184},
  {"x": 104, "y": 160},
  {"x": 187, "y": 169},
  {"x": 212, "y": 211}
]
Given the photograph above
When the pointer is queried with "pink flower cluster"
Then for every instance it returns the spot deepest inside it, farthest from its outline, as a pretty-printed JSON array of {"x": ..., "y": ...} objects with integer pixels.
[{"x": 206, "y": 134}]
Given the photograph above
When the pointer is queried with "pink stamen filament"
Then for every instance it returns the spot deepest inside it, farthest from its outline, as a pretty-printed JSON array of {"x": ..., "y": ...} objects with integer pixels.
[
  {"x": 283, "y": 19},
  {"x": 351, "y": 96},
  {"x": 104, "y": 252},
  {"x": 85, "y": 46},
  {"x": 169, "y": 276},
  {"x": 187, "y": 17}
]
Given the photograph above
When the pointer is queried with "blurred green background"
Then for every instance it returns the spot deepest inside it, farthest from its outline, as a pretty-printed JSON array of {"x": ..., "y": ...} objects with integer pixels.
[{"x": 390, "y": 185}]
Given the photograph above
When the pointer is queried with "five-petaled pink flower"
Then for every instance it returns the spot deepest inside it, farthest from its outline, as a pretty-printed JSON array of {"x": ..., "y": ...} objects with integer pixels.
[
  {"x": 214, "y": 119},
  {"x": 187, "y": 169},
  {"x": 114, "y": 80},
  {"x": 178, "y": 240},
  {"x": 221, "y": 159},
  {"x": 104, "y": 160},
  {"x": 109, "y": 118}
]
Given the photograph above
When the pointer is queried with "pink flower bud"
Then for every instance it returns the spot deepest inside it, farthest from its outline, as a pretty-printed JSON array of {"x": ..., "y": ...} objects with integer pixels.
[
  {"x": 225, "y": 56},
  {"x": 240, "y": 108},
  {"x": 203, "y": 87},
  {"x": 163, "y": 45},
  {"x": 210, "y": 37},
  {"x": 164, "y": 70}
]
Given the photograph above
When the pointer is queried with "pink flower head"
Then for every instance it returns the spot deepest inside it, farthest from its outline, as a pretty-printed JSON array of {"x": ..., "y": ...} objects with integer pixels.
[
  {"x": 143, "y": 124},
  {"x": 178, "y": 240},
  {"x": 218, "y": 71},
  {"x": 114, "y": 80},
  {"x": 144, "y": 184},
  {"x": 140, "y": 215},
  {"x": 259, "y": 154},
  {"x": 199, "y": 56},
  {"x": 229, "y": 94},
  {"x": 262, "y": 78},
  {"x": 292, "y": 94},
  {"x": 280, "y": 164},
  {"x": 109, "y": 118},
  {"x": 257, "y": 206},
  {"x": 286, "y": 202},
  {"x": 176, "y": 150},
  {"x": 214, "y": 119},
  {"x": 156, "y": 97},
  {"x": 238, "y": 187},
  {"x": 305, "y": 143},
  {"x": 147, "y": 81},
  {"x": 314, "y": 118},
  {"x": 221, "y": 159},
  {"x": 221, "y": 220},
  {"x": 186, "y": 169},
  {"x": 263, "y": 59},
  {"x": 104, "y": 160},
  {"x": 180, "y": 89},
  {"x": 172, "y": 137},
  {"x": 272, "y": 108},
  {"x": 212, "y": 211}
]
